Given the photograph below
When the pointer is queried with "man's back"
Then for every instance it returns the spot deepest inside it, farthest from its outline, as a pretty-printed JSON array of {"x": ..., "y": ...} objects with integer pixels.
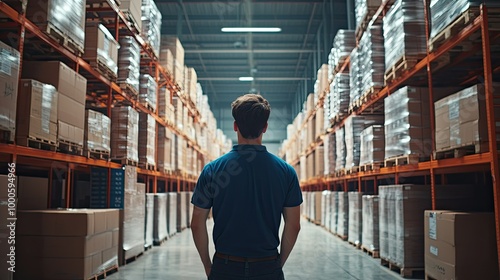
[{"x": 248, "y": 189}]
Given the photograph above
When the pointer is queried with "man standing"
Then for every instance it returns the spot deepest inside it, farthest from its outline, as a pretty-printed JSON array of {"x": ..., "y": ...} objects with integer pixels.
[{"x": 248, "y": 190}]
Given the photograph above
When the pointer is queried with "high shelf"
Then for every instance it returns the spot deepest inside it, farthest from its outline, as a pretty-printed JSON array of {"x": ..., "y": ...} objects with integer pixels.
[
  {"x": 471, "y": 56},
  {"x": 102, "y": 92}
]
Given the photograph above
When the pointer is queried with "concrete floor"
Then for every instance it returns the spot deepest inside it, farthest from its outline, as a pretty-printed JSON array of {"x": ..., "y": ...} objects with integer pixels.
[{"x": 317, "y": 255}]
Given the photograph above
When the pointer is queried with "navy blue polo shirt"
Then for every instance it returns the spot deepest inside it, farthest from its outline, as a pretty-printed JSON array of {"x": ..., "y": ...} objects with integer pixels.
[{"x": 247, "y": 189}]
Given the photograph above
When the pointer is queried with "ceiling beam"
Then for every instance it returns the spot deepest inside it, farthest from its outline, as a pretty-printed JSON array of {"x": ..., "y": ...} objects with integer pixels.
[
  {"x": 274, "y": 79},
  {"x": 247, "y": 51},
  {"x": 233, "y": 17}
]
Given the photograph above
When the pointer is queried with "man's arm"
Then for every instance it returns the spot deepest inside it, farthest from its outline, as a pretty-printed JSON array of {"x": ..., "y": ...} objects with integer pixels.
[
  {"x": 291, "y": 215},
  {"x": 200, "y": 236}
]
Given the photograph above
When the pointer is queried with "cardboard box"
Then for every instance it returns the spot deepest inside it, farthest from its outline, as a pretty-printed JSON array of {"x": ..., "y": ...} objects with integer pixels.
[
  {"x": 71, "y": 112},
  {"x": 58, "y": 74},
  {"x": 456, "y": 249},
  {"x": 167, "y": 60},
  {"x": 69, "y": 133},
  {"x": 100, "y": 46},
  {"x": 9, "y": 77},
  {"x": 54, "y": 268},
  {"x": 133, "y": 9},
  {"x": 32, "y": 193},
  {"x": 56, "y": 222},
  {"x": 174, "y": 45}
]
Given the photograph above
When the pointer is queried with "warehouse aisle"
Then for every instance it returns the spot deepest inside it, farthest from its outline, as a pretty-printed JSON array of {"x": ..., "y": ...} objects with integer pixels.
[{"x": 318, "y": 255}]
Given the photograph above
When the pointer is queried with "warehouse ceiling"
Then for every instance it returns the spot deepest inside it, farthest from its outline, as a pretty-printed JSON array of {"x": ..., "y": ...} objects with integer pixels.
[{"x": 283, "y": 64}]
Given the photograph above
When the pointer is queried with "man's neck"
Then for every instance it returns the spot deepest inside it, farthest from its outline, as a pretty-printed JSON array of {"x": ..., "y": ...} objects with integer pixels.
[{"x": 244, "y": 141}]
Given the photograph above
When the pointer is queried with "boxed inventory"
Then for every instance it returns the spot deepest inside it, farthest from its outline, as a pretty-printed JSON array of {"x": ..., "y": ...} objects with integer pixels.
[
  {"x": 460, "y": 245},
  {"x": 129, "y": 70},
  {"x": 97, "y": 132},
  {"x": 353, "y": 127},
  {"x": 148, "y": 228},
  {"x": 167, "y": 60},
  {"x": 165, "y": 148},
  {"x": 355, "y": 217},
  {"x": 132, "y": 221},
  {"x": 101, "y": 49},
  {"x": 370, "y": 227},
  {"x": 363, "y": 9},
  {"x": 343, "y": 43},
  {"x": 147, "y": 140},
  {"x": 340, "y": 149},
  {"x": 124, "y": 133},
  {"x": 355, "y": 77},
  {"x": 132, "y": 9},
  {"x": 371, "y": 58},
  {"x": 9, "y": 79},
  {"x": 165, "y": 107},
  {"x": 147, "y": 91},
  {"x": 172, "y": 213},
  {"x": 175, "y": 46},
  {"x": 37, "y": 112},
  {"x": 342, "y": 215},
  {"x": 160, "y": 218},
  {"x": 151, "y": 25},
  {"x": 372, "y": 145},
  {"x": 339, "y": 96}
]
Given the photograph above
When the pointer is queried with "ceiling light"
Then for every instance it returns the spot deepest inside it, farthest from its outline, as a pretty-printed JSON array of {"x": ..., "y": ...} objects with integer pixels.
[
  {"x": 251, "y": 29},
  {"x": 246, "y": 79}
]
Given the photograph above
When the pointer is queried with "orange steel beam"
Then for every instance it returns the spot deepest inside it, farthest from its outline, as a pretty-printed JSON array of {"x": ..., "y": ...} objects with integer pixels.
[{"x": 490, "y": 112}]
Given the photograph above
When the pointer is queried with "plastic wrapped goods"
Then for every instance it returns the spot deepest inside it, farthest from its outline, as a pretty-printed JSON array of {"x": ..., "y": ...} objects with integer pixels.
[
  {"x": 355, "y": 217},
  {"x": 370, "y": 228},
  {"x": 149, "y": 220},
  {"x": 160, "y": 218},
  {"x": 132, "y": 218},
  {"x": 343, "y": 214},
  {"x": 172, "y": 213},
  {"x": 147, "y": 91},
  {"x": 165, "y": 147},
  {"x": 340, "y": 149},
  {"x": 444, "y": 12},
  {"x": 340, "y": 91},
  {"x": 372, "y": 145},
  {"x": 66, "y": 17},
  {"x": 407, "y": 125},
  {"x": 97, "y": 131},
  {"x": 129, "y": 59},
  {"x": 325, "y": 208},
  {"x": 363, "y": 8},
  {"x": 353, "y": 126},
  {"x": 334, "y": 200},
  {"x": 151, "y": 25},
  {"x": 343, "y": 44},
  {"x": 330, "y": 145},
  {"x": 100, "y": 47},
  {"x": 355, "y": 77},
  {"x": 124, "y": 133},
  {"x": 147, "y": 139},
  {"x": 404, "y": 222},
  {"x": 371, "y": 59},
  {"x": 9, "y": 80}
]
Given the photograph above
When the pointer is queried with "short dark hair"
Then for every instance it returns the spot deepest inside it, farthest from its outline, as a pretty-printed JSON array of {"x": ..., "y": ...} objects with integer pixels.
[{"x": 251, "y": 112}]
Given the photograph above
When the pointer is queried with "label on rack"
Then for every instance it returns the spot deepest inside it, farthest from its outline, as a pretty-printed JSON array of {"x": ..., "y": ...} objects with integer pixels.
[{"x": 98, "y": 187}]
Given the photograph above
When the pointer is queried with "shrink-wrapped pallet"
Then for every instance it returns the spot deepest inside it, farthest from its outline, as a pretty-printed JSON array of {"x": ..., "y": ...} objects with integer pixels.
[
  {"x": 355, "y": 228},
  {"x": 334, "y": 200},
  {"x": 342, "y": 214},
  {"x": 340, "y": 149},
  {"x": 160, "y": 218},
  {"x": 404, "y": 33},
  {"x": 148, "y": 229},
  {"x": 124, "y": 133},
  {"x": 132, "y": 10},
  {"x": 355, "y": 77},
  {"x": 370, "y": 228},
  {"x": 353, "y": 126},
  {"x": 147, "y": 91},
  {"x": 407, "y": 126},
  {"x": 151, "y": 25},
  {"x": 165, "y": 147},
  {"x": 371, "y": 59},
  {"x": 147, "y": 139},
  {"x": 340, "y": 91},
  {"x": 343, "y": 44},
  {"x": 97, "y": 132},
  {"x": 372, "y": 146},
  {"x": 101, "y": 49},
  {"x": 363, "y": 9},
  {"x": 383, "y": 224},
  {"x": 325, "y": 208},
  {"x": 330, "y": 155},
  {"x": 172, "y": 213},
  {"x": 129, "y": 59},
  {"x": 181, "y": 211},
  {"x": 9, "y": 80}
]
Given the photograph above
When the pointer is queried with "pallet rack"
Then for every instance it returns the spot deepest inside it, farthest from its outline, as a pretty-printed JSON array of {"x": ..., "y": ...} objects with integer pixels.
[
  {"x": 428, "y": 72},
  {"x": 103, "y": 92}
]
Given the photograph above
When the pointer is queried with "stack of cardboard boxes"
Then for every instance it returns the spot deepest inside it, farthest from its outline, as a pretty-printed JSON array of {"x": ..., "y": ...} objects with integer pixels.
[
  {"x": 370, "y": 235},
  {"x": 9, "y": 79},
  {"x": 372, "y": 146},
  {"x": 72, "y": 89},
  {"x": 97, "y": 132},
  {"x": 124, "y": 133},
  {"x": 175, "y": 46},
  {"x": 101, "y": 49},
  {"x": 132, "y": 9},
  {"x": 147, "y": 91},
  {"x": 147, "y": 140},
  {"x": 129, "y": 59},
  {"x": 66, "y": 244},
  {"x": 165, "y": 149},
  {"x": 160, "y": 218},
  {"x": 355, "y": 217}
]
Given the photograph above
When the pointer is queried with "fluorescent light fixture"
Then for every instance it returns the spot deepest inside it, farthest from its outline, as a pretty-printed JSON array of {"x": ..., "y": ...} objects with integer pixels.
[
  {"x": 251, "y": 29},
  {"x": 246, "y": 79}
]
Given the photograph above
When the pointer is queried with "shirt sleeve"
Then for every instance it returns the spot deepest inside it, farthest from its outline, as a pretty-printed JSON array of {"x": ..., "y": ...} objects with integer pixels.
[
  {"x": 294, "y": 196},
  {"x": 202, "y": 194}
]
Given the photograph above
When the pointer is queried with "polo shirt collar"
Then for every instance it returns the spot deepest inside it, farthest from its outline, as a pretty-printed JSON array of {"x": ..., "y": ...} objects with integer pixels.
[{"x": 258, "y": 148}]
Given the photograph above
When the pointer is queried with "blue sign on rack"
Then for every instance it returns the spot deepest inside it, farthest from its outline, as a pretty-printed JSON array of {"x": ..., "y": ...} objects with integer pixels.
[
  {"x": 99, "y": 188},
  {"x": 117, "y": 196}
]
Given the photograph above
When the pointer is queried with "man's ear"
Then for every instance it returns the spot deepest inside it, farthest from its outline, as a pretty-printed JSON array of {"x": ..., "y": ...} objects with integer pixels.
[
  {"x": 265, "y": 128},
  {"x": 235, "y": 126}
]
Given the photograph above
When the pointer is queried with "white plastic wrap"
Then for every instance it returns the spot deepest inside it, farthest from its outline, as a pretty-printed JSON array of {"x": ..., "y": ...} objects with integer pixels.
[
  {"x": 151, "y": 25},
  {"x": 340, "y": 95},
  {"x": 160, "y": 218},
  {"x": 9, "y": 79},
  {"x": 355, "y": 77},
  {"x": 124, "y": 133},
  {"x": 334, "y": 200},
  {"x": 372, "y": 145},
  {"x": 147, "y": 139},
  {"x": 370, "y": 228},
  {"x": 343, "y": 43},
  {"x": 343, "y": 214},
  {"x": 330, "y": 145},
  {"x": 355, "y": 217},
  {"x": 129, "y": 59},
  {"x": 325, "y": 209},
  {"x": 98, "y": 131},
  {"x": 404, "y": 31},
  {"x": 172, "y": 213},
  {"x": 363, "y": 8},
  {"x": 147, "y": 92},
  {"x": 148, "y": 229},
  {"x": 133, "y": 222},
  {"x": 407, "y": 126},
  {"x": 101, "y": 47},
  {"x": 383, "y": 222},
  {"x": 444, "y": 12},
  {"x": 165, "y": 147},
  {"x": 340, "y": 149},
  {"x": 371, "y": 59}
]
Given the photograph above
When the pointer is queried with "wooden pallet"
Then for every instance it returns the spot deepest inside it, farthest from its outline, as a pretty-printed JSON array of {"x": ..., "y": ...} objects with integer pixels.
[
  {"x": 103, "y": 69},
  {"x": 37, "y": 143},
  {"x": 375, "y": 166},
  {"x": 338, "y": 67},
  {"x": 405, "y": 272},
  {"x": 70, "y": 148},
  {"x": 125, "y": 161},
  {"x": 404, "y": 63},
  {"x": 462, "y": 150},
  {"x": 147, "y": 166},
  {"x": 343, "y": 237},
  {"x": 352, "y": 170},
  {"x": 367, "y": 95},
  {"x": 357, "y": 246},
  {"x": 341, "y": 172},
  {"x": 373, "y": 253},
  {"x": 97, "y": 154},
  {"x": 461, "y": 22},
  {"x": 128, "y": 89},
  {"x": 105, "y": 273},
  {"x": 133, "y": 258},
  {"x": 403, "y": 160},
  {"x": 63, "y": 39}
]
